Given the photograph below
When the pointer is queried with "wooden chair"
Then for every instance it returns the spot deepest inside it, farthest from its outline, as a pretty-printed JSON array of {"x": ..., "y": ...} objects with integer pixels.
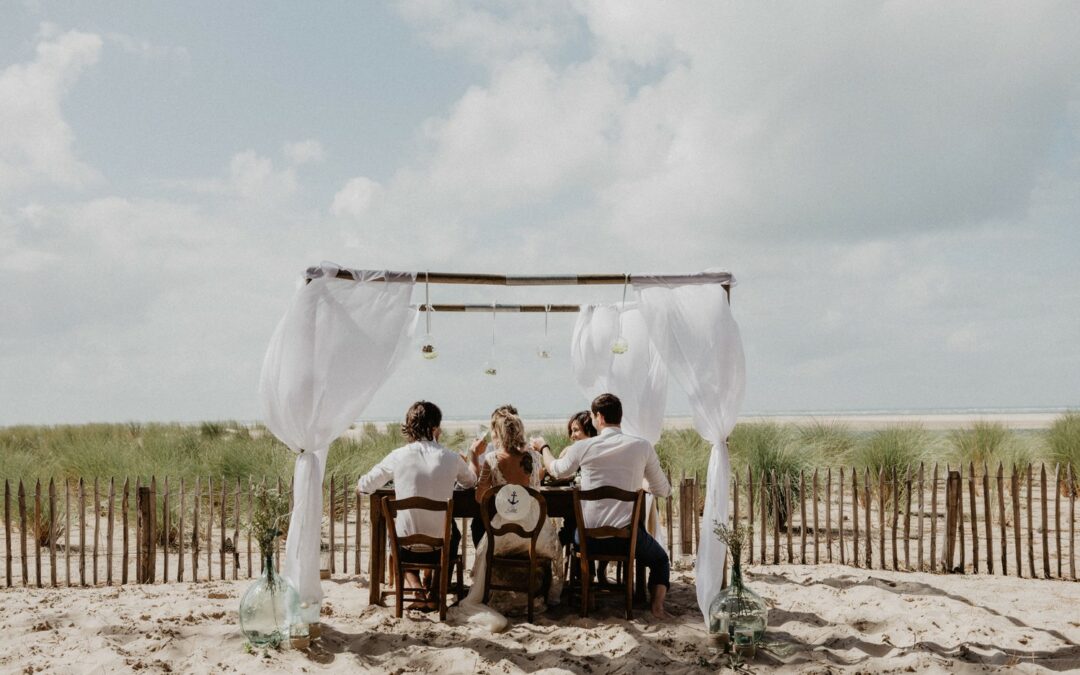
[
  {"x": 438, "y": 561},
  {"x": 529, "y": 564},
  {"x": 584, "y": 558}
]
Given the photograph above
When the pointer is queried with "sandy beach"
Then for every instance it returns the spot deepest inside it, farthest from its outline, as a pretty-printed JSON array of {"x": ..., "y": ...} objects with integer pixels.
[{"x": 823, "y": 619}]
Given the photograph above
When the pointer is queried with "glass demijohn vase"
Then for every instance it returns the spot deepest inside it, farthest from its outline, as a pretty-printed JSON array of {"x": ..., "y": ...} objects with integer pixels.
[
  {"x": 738, "y": 615},
  {"x": 268, "y": 607}
]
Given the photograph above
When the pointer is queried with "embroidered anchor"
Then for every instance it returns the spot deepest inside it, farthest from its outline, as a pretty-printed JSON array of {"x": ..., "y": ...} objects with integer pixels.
[{"x": 513, "y": 501}]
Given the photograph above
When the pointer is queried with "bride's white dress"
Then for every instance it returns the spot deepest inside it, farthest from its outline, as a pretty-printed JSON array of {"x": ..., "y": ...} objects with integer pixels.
[{"x": 471, "y": 609}]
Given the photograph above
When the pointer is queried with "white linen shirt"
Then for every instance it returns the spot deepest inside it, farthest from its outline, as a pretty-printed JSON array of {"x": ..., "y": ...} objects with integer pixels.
[
  {"x": 420, "y": 469},
  {"x": 616, "y": 459}
]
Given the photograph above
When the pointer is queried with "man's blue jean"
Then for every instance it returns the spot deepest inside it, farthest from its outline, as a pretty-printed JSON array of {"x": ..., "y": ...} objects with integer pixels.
[{"x": 648, "y": 553}]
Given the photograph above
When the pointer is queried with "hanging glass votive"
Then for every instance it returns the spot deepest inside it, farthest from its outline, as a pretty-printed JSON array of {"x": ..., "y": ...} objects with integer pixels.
[
  {"x": 427, "y": 346},
  {"x": 543, "y": 351},
  {"x": 491, "y": 366},
  {"x": 620, "y": 346}
]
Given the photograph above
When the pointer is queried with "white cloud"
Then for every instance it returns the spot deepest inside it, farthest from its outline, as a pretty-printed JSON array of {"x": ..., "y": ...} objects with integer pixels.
[
  {"x": 356, "y": 198},
  {"x": 304, "y": 152},
  {"x": 36, "y": 143}
]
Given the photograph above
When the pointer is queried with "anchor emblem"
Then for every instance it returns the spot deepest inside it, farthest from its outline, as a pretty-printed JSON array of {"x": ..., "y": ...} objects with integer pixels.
[{"x": 513, "y": 501}]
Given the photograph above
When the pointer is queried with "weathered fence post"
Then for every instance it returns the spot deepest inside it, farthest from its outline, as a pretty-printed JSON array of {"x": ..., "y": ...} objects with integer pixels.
[
  {"x": 685, "y": 520},
  {"x": 1043, "y": 523},
  {"x": 974, "y": 519},
  {"x": 776, "y": 516},
  {"x": 7, "y": 533},
  {"x": 37, "y": 533},
  {"x": 52, "y": 532},
  {"x": 82, "y": 532},
  {"x": 989, "y": 519},
  {"x": 750, "y": 512},
  {"x": 180, "y": 535},
  {"x": 1030, "y": 521},
  {"x": 952, "y": 526},
  {"x": 922, "y": 512},
  {"x": 167, "y": 517},
  {"x": 333, "y": 548},
  {"x": 840, "y": 519},
  {"x": 788, "y": 513},
  {"x": 1057, "y": 515},
  {"x": 109, "y": 533},
  {"x": 124, "y": 517},
  {"x": 144, "y": 536},
  {"x": 195, "y": 532},
  {"x": 817, "y": 547},
  {"x": 97, "y": 528},
  {"x": 22, "y": 535},
  {"x": 869, "y": 533},
  {"x": 881, "y": 518},
  {"x": 1000, "y": 477},
  {"x": 907, "y": 519},
  {"x": 854, "y": 517},
  {"x": 1015, "y": 486},
  {"x": 933, "y": 518},
  {"x": 802, "y": 517}
]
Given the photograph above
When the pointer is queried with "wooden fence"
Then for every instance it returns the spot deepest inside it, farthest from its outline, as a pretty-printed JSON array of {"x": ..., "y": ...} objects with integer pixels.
[{"x": 105, "y": 531}]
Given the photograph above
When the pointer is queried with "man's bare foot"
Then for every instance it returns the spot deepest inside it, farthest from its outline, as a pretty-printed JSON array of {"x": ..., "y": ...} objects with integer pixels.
[
  {"x": 658, "y": 611},
  {"x": 662, "y": 614}
]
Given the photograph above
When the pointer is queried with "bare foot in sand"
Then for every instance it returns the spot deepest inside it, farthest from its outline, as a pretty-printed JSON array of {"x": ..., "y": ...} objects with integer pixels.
[{"x": 658, "y": 611}]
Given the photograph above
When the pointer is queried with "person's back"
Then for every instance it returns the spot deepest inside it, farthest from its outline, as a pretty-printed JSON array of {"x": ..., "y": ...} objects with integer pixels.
[{"x": 619, "y": 460}]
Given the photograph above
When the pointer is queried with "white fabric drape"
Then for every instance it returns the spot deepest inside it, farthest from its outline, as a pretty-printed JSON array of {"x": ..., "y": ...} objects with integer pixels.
[
  {"x": 696, "y": 334},
  {"x": 336, "y": 345},
  {"x": 638, "y": 376}
]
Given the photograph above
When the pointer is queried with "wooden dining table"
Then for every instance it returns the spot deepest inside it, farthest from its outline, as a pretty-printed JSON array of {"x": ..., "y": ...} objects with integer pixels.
[{"x": 560, "y": 504}]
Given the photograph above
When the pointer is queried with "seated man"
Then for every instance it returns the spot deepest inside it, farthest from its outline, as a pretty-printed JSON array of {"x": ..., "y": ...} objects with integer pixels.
[
  {"x": 423, "y": 468},
  {"x": 617, "y": 459}
]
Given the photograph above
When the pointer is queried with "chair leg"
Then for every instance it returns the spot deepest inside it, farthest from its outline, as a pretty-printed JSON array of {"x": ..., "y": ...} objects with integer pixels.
[
  {"x": 444, "y": 580},
  {"x": 532, "y": 587},
  {"x": 629, "y": 578},
  {"x": 399, "y": 588},
  {"x": 584, "y": 587}
]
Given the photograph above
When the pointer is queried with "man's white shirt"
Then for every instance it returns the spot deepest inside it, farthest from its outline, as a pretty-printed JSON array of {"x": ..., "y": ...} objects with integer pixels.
[
  {"x": 420, "y": 469},
  {"x": 616, "y": 459}
]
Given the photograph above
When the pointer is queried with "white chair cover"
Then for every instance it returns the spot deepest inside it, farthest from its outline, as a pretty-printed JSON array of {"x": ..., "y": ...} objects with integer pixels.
[
  {"x": 692, "y": 327},
  {"x": 638, "y": 376},
  {"x": 336, "y": 345}
]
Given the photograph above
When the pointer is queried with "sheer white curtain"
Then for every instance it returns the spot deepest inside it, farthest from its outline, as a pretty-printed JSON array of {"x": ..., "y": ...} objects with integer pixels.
[
  {"x": 336, "y": 345},
  {"x": 693, "y": 329},
  {"x": 638, "y": 376}
]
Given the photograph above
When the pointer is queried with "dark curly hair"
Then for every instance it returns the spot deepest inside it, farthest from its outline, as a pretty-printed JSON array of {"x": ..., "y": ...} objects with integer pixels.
[
  {"x": 584, "y": 420},
  {"x": 421, "y": 421}
]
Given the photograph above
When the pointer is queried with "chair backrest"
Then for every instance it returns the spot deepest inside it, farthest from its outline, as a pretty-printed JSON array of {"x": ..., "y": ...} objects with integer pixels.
[
  {"x": 391, "y": 507},
  {"x": 487, "y": 512},
  {"x": 609, "y": 492}
]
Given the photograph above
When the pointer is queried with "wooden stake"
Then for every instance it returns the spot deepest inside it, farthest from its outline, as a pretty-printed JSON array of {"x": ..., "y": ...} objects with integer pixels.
[
  {"x": 895, "y": 517},
  {"x": 1043, "y": 523},
  {"x": 989, "y": 518},
  {"x": 250, "y": 513},
  {"x": 360, "y": 514},
  {"x": 124, "y": 518},
  {"x": 1000, "y": 477},
  {"x": 907, "y": 520},
  {"x": 776, "y": 517},
  {"x": 817, "y": 548},
  {"x": 82, "y": 532},
  {"x": 167, "y": 517},
  {"x": 138, "y": 533},
  {"x": 1072, "y": 523},
  {"x": 974, "y": 518},
  {"x": 840, "y": 516},
  {"x": 764, "y": 517},
  {"x": 1030, "y": 521},
  {"x": 236, "y": 531},
  {"x": 52, "y": 532},
  {"x": 881, "y": 518},
  {"x": 67, "y": 533},
  {"x": 210, "y": 529},
  {"x": 1017, "y": 529},
  {"x": 7, "y": 533},
  {"x": 22, "y": 534},
  {"x": 333, "y": 495},
  {"x": 750, "y": 512},
  {"x": 345, "y": 526},
  {"x": 869, "y": 532},
  {"x": 109, "y": 533},
  {"x": 97, "y": 528},
  {"x": 933, "y": 519},
  {"x": 1057, "y": 515},
  {"x": 922, "y": 514},
  {"x": 854, "y": 517},
  {"x": 145, "y": 534},
  {"x": 195, "y": 532},
  {"x": 221, "y": 551},
  {"x": 788, "y": 510},
  {"x": 180, "y": 533},
  {"x": 37, "y": 533},
  {"x": 960, "y": 515},
  {"x": 153, "y": 529},
  {"x": 277, "y": 540},
  {"x": 802, "y": 517},
  {"x": 952, "y": 520}
]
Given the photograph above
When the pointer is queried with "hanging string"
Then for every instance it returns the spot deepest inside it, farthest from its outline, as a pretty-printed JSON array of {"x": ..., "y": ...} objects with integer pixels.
[
  {"x": 626, "y": 282},
  {"x": 427, "y": 302},
  {"x": 547, "y": 312},
  {"x": 493, "y": 328}
]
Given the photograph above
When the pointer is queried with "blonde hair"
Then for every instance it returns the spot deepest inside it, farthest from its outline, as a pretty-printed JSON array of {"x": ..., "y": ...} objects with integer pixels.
[{"x": 509, "y": 430}]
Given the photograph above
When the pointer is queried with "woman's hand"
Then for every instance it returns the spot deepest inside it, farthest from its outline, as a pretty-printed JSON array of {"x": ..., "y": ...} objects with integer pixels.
[
  {"x": 537, "y": 443},
  {"x": 477, "y": 447}
]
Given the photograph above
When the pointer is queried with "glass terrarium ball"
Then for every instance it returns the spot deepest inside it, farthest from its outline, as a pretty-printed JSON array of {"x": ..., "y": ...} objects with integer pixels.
[
  {"x": 428, "y": 349},
  {"x": 543, "y": 352},
  {"x": 491, "y": 368},
  {"x": 620, "y": 346}
]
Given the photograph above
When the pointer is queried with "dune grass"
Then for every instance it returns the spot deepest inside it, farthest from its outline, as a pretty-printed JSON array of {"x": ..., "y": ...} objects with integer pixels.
[
  {"x": 989, "y": 444},
  {"x": 1063, "y": 446}
]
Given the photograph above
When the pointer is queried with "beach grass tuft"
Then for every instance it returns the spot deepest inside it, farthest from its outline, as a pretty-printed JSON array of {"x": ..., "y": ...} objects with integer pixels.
[{"x": 1063, "y": 446}]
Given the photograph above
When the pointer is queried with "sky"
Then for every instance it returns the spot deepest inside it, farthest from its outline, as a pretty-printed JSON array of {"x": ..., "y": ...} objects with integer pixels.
[{"x": 894, "y": 185}]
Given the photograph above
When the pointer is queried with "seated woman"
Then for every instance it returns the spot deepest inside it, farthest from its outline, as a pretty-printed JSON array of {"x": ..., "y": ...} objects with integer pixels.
[{"x": 513, "y": 463}]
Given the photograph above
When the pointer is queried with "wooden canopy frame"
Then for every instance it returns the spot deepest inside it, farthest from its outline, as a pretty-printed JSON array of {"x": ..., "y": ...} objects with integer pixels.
[{"x": 725, "y": 279}]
